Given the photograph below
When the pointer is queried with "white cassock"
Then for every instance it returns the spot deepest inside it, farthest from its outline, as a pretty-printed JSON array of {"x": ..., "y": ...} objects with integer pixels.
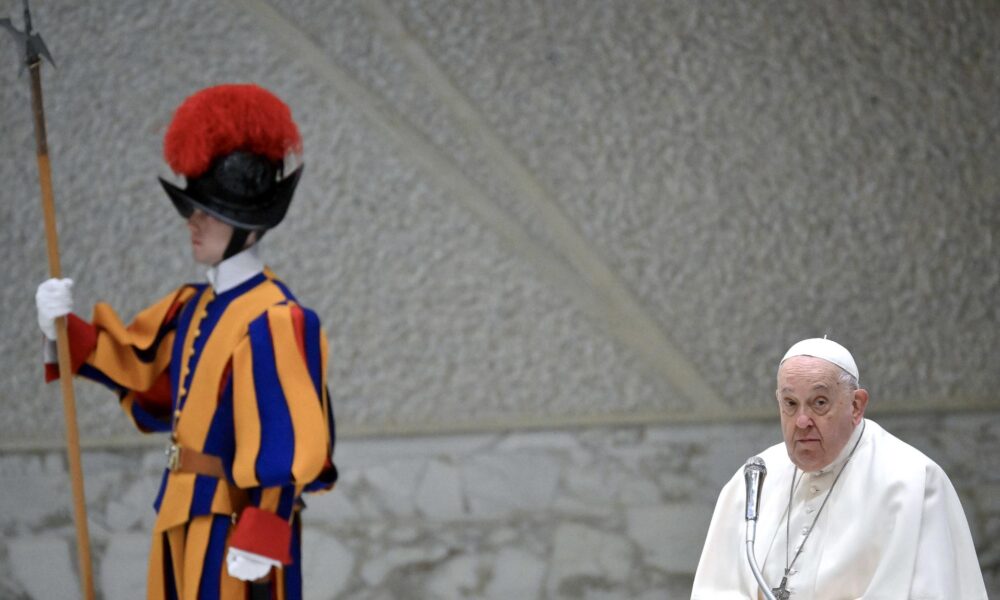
[{"x": 892, "y": 529}]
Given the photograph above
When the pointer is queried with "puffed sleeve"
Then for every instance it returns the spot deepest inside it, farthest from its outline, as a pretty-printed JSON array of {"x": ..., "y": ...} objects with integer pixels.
[
  {"x": 283, "y": 423},
  {"x": 132, "y": 360}
]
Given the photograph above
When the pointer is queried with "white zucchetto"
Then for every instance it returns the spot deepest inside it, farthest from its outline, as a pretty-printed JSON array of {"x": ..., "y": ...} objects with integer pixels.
[{"x": 825, "y": 349}]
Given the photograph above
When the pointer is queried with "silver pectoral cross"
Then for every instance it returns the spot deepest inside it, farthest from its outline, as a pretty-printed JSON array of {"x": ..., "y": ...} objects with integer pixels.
[{"x": 780, "y": 593}]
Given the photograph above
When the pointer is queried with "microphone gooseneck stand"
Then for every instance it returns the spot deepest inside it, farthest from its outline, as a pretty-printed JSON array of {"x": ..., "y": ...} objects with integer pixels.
[{"x": 751, "y": 533}]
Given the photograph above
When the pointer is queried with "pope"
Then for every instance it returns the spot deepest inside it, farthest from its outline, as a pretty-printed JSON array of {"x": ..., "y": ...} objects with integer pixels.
[
  {"x": 847, "y": 509},
  {"x": 233, "y": 370}
]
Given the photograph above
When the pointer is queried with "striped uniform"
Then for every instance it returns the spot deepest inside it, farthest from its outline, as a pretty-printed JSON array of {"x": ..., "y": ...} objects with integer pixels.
[{"x": 239, "y": 375}]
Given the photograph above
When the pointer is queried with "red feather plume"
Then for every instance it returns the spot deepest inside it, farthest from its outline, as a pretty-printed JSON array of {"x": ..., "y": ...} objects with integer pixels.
[{"x": 225, "y": 118}]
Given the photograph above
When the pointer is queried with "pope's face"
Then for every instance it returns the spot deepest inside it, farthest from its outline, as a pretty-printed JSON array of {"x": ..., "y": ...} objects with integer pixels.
[
  {"x": 209, "y": 237},
  {"x": 818, "y": 411}
]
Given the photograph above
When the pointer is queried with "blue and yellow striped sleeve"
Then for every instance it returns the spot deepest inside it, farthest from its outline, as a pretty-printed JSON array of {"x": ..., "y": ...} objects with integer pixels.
[
  {"x": 281, "y": 417},
  {"x": 132, "y": 360},
  {"x": 279, "y": 401}
]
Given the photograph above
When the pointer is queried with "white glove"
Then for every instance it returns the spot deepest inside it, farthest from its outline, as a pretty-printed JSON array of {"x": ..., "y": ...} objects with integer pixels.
[
  {"x": 53, "y": 299},
  {"x": 248, "y": 566}
]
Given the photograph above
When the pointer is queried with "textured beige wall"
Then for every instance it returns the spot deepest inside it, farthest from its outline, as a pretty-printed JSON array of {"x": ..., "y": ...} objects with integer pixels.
[{"x": 548, "y": 213}]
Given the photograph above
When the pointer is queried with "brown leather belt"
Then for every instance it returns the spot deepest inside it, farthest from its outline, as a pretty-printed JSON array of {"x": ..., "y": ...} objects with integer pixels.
[{"x": 186, "y": 460}]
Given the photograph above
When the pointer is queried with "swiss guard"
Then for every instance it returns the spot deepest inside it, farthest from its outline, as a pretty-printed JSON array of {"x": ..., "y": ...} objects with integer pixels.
[{"x": 234, "y": 370}]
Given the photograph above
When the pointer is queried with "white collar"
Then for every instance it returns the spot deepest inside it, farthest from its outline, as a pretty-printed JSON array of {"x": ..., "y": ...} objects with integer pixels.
[
  {"x": 845, "y": 451},
  {"x": 235, "y": 270}
]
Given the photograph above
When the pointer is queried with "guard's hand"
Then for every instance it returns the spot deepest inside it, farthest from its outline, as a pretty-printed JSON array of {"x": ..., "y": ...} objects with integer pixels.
[
  {"x": 248, "y": 566},
  {"x": 53, "y": 299}
]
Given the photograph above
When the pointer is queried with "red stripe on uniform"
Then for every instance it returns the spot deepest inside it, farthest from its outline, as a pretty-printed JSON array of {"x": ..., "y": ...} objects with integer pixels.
[
  {"x": 82, "y": 341},
  {"x": 298, "y": 325}
]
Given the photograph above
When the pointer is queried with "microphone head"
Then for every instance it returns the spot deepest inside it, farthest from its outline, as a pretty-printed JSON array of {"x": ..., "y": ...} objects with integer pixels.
[
  {"x": 753, "y": 474},
  {"x": 755, "y": 463}
]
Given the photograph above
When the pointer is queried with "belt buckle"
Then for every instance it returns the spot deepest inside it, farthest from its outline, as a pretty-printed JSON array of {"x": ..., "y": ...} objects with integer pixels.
[{"x": 173, "y": 457}]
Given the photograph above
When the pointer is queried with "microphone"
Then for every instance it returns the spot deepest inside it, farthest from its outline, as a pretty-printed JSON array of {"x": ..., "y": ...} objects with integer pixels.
[{"x": 753, "y": 474}]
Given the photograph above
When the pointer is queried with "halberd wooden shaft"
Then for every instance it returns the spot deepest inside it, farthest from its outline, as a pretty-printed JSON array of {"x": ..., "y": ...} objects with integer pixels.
[{"x": 62, "y": 340}]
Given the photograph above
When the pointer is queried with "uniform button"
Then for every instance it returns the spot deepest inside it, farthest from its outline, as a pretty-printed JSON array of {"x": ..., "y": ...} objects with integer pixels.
[
  {"x": 177, "y": 413},
  {"x": 805, "y": 530},
  {"x": 809, "y": 510},
  {"x": 814, "y": 489}
]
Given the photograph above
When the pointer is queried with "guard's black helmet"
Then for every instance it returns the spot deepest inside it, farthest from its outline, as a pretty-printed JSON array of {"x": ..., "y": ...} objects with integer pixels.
[{"x": 230, "y": 143}]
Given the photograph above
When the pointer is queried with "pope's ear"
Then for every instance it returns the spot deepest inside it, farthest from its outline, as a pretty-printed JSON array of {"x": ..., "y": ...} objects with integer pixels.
[{"x": 859, "y": 403}]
